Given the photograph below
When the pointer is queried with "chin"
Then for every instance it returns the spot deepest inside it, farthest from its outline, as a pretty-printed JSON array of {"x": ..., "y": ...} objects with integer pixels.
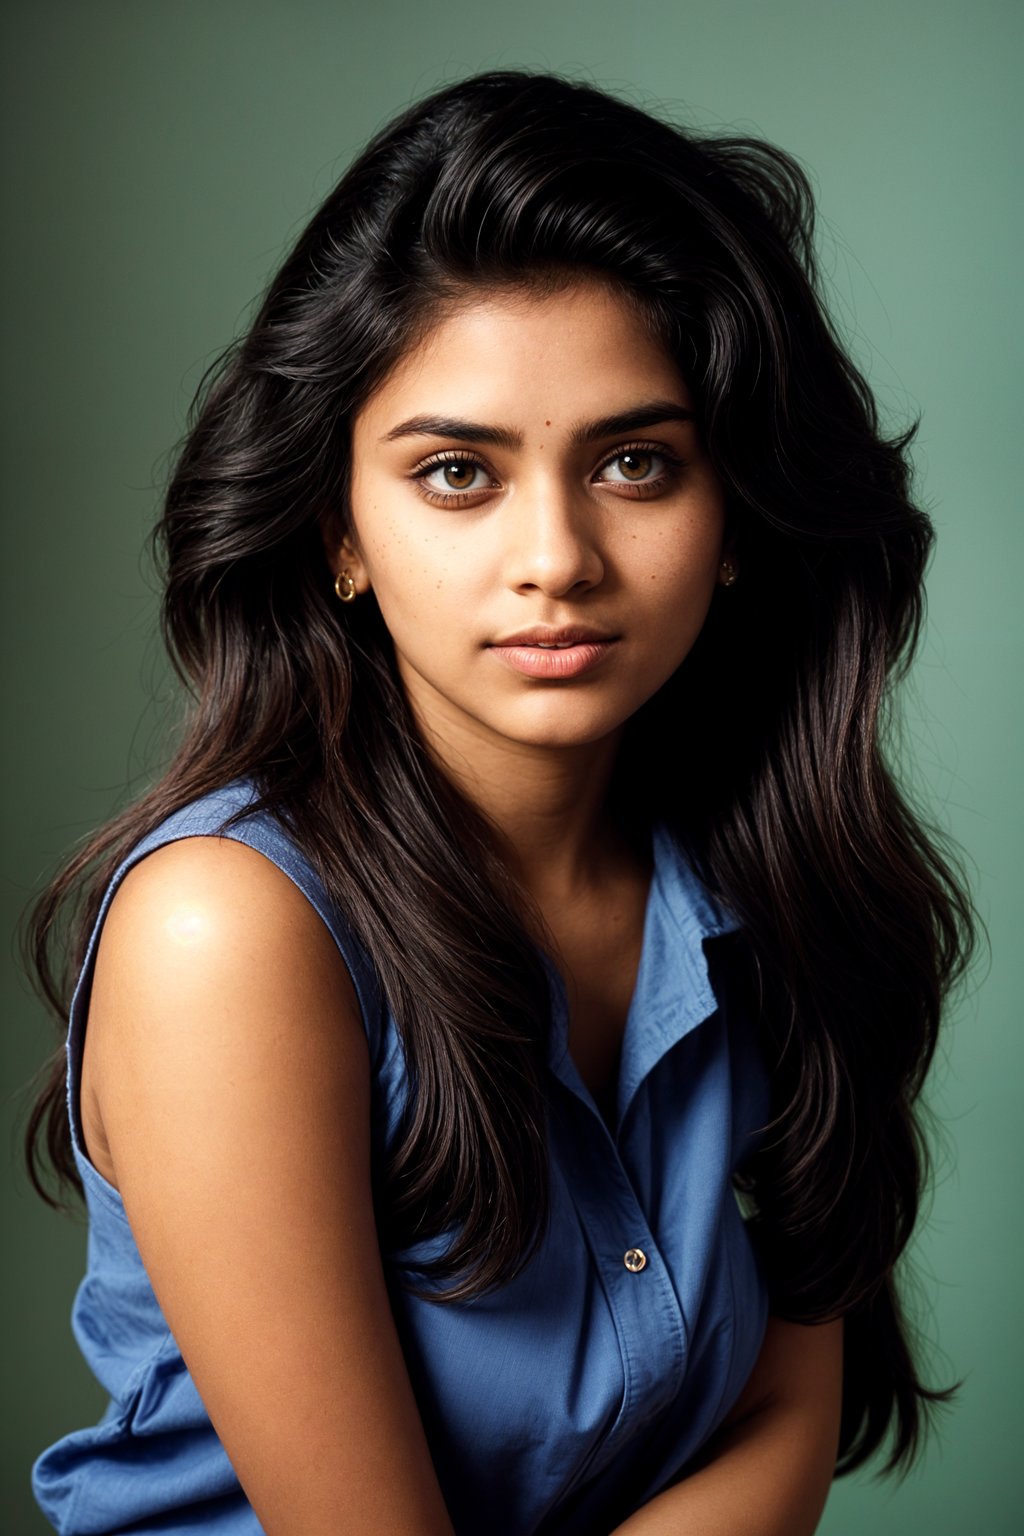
[{"x": 562, "y": 726}]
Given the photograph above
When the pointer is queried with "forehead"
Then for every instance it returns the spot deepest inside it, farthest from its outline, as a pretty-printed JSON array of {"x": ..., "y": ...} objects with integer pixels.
[{"x": 517, "y": 348}]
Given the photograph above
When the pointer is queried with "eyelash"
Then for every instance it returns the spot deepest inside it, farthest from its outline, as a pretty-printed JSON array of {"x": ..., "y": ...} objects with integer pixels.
[{"x": 645, "y": 488}]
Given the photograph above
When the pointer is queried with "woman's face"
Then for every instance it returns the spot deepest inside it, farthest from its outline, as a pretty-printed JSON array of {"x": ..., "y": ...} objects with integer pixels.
[{"x": 532, "y": 466}]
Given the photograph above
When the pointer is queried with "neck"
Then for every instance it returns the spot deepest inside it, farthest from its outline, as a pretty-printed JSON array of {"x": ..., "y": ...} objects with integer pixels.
[{"x": 550, "y": 806}]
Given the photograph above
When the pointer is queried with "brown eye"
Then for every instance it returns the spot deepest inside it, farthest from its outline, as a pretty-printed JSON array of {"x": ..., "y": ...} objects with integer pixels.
[
  {"x": 647, "y": 470},
  {"x": 635, "y": 465},
  {"x": 638, "y": 466},
  {"x": 449, "y": 477},
  {"x": 458, "y": 474}
]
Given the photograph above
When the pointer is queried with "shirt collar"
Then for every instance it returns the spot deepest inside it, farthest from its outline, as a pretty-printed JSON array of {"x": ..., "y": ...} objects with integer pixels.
[{"x": 673, "y": 992}]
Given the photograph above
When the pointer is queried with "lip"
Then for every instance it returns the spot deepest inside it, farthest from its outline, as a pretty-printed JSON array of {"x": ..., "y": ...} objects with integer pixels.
[
  {"x": 547, "y": 634},
  {"x": 555, "y": 665}
]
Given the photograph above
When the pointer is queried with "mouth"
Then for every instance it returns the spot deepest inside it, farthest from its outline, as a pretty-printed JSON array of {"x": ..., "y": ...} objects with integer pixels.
[
  {"x": 547, "y": 637},
  {"x": 554, "y": 657}
]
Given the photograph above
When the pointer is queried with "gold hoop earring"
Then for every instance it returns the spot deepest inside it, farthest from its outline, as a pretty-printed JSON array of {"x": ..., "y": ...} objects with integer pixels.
[
  {"x": 729, "y": 573},
  {"x": 344, "y": 585}
]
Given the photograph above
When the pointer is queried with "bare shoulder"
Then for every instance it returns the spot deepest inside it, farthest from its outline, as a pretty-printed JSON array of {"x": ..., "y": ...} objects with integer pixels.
[
  {"x": 233, "y": 1076},
  {"x": 211, "y": 901},
  {"x": 210, "y": 923},
  {"x": 204, "y": 926}
]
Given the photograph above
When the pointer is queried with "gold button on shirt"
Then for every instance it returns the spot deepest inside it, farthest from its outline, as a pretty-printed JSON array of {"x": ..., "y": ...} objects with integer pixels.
[{"x": 596, "y": 1373}]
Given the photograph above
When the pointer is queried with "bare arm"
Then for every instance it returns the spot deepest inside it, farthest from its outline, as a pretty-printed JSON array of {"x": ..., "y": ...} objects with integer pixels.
[
  {"x": 767, "y": 1470},
  {"x": 231, "y": 1068}
]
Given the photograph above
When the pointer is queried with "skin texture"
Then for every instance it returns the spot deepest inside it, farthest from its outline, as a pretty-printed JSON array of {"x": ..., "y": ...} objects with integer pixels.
[
  {"x": 547, "y": 532},
  {"x": 226, "y": 1087}
]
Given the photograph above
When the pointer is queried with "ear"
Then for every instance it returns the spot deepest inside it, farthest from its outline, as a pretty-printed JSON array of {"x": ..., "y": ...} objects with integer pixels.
[
  {"x": 728, "y": 563},
  {"x": 343, "y": 554}
]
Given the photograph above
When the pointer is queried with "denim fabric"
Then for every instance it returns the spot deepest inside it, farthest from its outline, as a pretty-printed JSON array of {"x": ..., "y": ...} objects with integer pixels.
[{"x": 572, "y": 1395}]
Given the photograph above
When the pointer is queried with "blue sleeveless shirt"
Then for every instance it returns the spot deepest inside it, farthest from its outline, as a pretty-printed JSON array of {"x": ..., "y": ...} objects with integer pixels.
[{"x": 565, "y": 1400}]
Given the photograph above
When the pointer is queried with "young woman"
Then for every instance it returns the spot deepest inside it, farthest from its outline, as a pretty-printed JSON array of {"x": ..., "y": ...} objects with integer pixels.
[{"x": 493, "y": 1045}]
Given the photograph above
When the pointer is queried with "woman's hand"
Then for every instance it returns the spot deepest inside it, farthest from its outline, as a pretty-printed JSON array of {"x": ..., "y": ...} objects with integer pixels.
[
  {"x": 768, "y": 1468},
  {"x": 230, "y": 1067}
]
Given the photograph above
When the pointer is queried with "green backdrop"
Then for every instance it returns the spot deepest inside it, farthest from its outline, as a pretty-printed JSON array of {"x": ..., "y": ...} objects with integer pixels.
[{"x": 158, "y": 158}]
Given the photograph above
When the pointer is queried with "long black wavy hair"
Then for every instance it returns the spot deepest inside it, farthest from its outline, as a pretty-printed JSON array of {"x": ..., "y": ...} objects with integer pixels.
[{"x": 856, "y": 919}]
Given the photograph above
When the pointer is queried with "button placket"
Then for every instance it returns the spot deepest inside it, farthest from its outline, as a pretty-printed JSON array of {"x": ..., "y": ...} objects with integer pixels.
[{"x": 649, "y": 1321}]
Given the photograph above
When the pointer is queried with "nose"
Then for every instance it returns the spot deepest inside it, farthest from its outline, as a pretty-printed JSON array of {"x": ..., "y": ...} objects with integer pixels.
[{"x": 552, "y": 543}]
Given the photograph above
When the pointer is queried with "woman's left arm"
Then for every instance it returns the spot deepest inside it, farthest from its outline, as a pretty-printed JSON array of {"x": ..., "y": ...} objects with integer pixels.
[{"x": 767, "y": 1469}]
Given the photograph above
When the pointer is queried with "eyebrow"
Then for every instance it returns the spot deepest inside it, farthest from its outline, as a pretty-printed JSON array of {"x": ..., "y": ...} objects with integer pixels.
[{"x": 652, "y": 413}]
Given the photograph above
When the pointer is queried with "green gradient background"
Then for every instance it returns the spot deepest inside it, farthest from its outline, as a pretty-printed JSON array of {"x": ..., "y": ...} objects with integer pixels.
[{"x": 159, "y": 157}]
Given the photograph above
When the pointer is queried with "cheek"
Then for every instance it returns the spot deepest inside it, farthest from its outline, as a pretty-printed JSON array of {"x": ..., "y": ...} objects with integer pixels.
[
  {"x": 426, "y": 585},
  {"x": 675, "y": 584},
  {"x": 680, "y": 564},
  {"x": 384, "y": 546}
]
